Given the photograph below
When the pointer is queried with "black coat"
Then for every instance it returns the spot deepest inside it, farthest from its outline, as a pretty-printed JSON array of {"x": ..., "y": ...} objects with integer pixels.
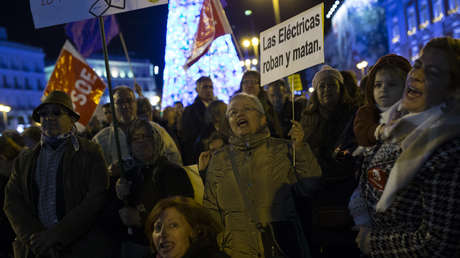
[
  {"x": 150, "y": 184},
  {"x": 193, "y": 121}
]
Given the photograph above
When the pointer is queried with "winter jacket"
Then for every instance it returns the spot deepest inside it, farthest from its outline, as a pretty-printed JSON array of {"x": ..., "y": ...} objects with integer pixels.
[
  {"x": 265, "y": 167},
  {"x": 193, "y": 122},
  {"x": 106, "y": 139},
  {"x": 81, "y": 195},
  {"x": 364, "y": 125}
]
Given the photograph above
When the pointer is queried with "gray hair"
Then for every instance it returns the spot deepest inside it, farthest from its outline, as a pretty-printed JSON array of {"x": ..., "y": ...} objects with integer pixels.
[{"x": 255, "y": 101}]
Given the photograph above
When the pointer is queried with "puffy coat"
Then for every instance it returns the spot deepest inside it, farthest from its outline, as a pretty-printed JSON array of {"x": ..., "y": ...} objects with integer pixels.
[{"x": 265, "y": 167}]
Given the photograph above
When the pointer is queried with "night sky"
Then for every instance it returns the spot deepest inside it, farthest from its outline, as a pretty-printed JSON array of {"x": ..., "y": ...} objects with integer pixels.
[{"x": 144, "y": 31}]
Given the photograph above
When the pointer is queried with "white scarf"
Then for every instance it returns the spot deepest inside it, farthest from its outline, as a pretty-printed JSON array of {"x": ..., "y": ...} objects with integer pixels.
[{"x": 419, "y": 135}]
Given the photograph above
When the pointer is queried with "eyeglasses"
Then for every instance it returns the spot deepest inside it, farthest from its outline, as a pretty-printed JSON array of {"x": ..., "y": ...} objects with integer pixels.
[
  {"x": 234, "y": 112},
  {"x": 51, "y": 112}
]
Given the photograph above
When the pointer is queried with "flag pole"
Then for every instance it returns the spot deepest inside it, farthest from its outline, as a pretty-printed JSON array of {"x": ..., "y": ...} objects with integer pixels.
[
  {"x": 109, "y": 84},
  {"x": 112, "y": 106},
  {"x": 293, "y": 117},
  {"x": 125, "y": 49}
]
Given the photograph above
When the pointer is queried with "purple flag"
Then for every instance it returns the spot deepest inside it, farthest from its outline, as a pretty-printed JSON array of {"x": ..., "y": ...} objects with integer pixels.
[{"x": 86, "y": 35}]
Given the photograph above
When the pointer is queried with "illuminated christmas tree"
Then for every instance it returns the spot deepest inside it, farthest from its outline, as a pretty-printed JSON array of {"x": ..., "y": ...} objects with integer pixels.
[{"x": 221, "y": 62}]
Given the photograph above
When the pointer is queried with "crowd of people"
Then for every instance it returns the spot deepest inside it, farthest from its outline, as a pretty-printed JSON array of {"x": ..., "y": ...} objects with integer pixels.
[{"x": 368, "y": 169}]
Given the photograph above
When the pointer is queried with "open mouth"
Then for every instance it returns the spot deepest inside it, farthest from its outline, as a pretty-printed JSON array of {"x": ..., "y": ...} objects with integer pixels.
[
  {"x": 166, "y": 246},
  {"x": 413, "y": 92},
  {"x": 242, "y": 122}
]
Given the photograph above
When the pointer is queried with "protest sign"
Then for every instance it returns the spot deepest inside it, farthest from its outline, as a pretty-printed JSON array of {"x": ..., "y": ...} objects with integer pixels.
[
  {"x": 293, "y": 45},
  {"x": 74, "y": 76},
  {"x": 296, "y": 81},
  {"x": 53, "y": 12}
]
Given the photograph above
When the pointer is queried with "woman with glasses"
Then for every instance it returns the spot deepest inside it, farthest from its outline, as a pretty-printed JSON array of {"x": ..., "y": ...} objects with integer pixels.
[
  {"x": 250, "y": 84},
  {"x": 250, "y": 183}
]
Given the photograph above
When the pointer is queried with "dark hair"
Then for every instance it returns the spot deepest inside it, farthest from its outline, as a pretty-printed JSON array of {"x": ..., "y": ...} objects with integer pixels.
[
  {"x": 123, "y": 88},
  {"x": 351, "y": 84},
  {"x": 278, "y": 85},
  {"x": 452, "y": 48},
  {"x": 393, "y": 62},
  {"x": 212, "y": 111},
  {"x": 141, "y": 104},
  {"x": 203, "y": 79},
  {"x": 203, "y": 224},
  {"x": 246, "y": 74},
  {"x": 106, "y": 105}
]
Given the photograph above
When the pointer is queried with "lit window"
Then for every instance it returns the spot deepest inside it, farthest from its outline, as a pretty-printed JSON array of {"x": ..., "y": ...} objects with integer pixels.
[
  {"x": 424, "y": 14},
  {"x": 454, "y": 6},
  {"x": 395, "y": 30},
  {"x": 411, "y": 21},
  {"x": 437, "y": 10},
  {"x": 415, "y": 53}
]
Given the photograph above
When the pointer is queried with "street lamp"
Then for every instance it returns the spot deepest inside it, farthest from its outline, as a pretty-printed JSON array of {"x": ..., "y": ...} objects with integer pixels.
[
  {"x": 362, "y": 66},
  {"x": 246, "y": 43},
  {"x": 5, "y": 109}
]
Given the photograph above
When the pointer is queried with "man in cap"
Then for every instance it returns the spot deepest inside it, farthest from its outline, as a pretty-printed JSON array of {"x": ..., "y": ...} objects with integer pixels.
[{"x": 57, "y": 189}]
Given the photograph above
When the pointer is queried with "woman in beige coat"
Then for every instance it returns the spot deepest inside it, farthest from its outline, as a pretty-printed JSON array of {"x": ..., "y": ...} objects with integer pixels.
[{"x": 250, "y": 183}]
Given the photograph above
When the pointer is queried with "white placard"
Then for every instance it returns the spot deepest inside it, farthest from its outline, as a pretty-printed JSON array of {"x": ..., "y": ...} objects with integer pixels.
[
  {"x": 293, "y": 45},
  {"x": 53, "y": 12}
]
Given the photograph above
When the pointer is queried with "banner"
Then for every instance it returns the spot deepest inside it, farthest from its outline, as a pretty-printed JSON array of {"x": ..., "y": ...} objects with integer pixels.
[
  {"x": 75, "y": 77},
  {"x": 213, "y": 24},
  {"x": 53, "y": 12},
  {"x": 293, "y": 45}
]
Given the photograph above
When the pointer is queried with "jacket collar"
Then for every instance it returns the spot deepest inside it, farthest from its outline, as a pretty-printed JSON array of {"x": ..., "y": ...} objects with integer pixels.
[{"x": 250, "y": 141}]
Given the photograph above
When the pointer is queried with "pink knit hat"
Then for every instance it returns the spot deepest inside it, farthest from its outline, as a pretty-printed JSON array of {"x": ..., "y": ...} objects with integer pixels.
[{"x": 326, "y": 71}]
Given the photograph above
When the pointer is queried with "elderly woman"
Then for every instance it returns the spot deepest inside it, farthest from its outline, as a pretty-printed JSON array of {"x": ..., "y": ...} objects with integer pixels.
[
  {"x": 384, "y": 87},
  {"x": 411, "y": 181},
  {"x": 250, "y": 84},
  {"x": 150, "y": 177},
  {"x": 250, "y": 181},
  {"x": 180, "y": 227}
]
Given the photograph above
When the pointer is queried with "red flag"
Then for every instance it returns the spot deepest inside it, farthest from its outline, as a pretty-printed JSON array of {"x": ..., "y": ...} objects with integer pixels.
[
  {"x": 75, "y": 77},
  {"x": 213, "y": 24}
]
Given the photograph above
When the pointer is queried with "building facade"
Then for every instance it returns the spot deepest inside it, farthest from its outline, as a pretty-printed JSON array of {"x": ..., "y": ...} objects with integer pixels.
[
  {"x": 412, "y": 23},
  {"x": 22, "y": 80}
]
